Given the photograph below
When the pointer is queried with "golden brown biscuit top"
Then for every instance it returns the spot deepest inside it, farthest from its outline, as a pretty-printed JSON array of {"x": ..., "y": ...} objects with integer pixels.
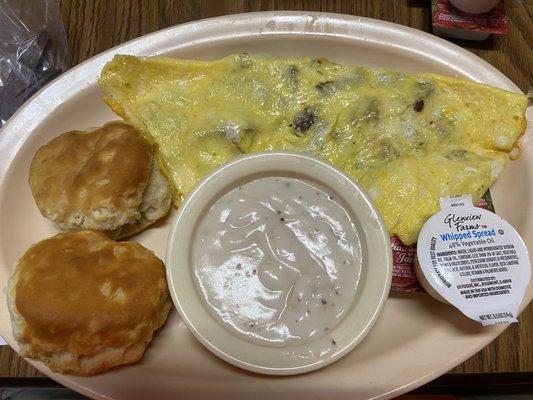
[
  {"x": 77, "y": 171},
  {"x": 81, "y": 291}
]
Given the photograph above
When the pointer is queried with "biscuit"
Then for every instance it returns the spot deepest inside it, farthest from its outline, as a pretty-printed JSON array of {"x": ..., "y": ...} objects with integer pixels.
[
  {"x": 83, "y": 303},
  {"x": 155, "y": 204},
  {"x": 106, "y": 179}
]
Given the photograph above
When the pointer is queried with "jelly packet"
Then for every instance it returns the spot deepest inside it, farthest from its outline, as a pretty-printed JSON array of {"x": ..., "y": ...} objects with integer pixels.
[
  {"x": 474, "y": 260},
  {"x": 449, "y": 21}
]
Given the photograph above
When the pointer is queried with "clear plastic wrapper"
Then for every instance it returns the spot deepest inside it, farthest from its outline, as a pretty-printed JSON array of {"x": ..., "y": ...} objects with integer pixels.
[{"x": 33, "y": 50}]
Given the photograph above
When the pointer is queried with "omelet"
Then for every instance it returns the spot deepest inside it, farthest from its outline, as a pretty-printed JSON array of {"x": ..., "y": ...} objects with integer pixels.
[{"x": 407, "y": 138}]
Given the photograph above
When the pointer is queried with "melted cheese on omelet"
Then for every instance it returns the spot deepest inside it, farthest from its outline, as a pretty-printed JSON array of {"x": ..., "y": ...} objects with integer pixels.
[{"x": 407, "y": 138}]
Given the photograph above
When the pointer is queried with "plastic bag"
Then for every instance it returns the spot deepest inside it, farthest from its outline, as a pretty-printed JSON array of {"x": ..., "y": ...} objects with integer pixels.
[{"x": 33, "y": 50}]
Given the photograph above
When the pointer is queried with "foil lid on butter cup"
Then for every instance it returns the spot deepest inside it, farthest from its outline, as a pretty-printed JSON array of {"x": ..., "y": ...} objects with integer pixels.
[{"x": 474, "y": 260}]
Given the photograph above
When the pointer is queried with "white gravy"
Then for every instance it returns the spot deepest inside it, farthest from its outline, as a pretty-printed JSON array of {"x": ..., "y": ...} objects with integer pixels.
[{"x": 277, "y": 261}]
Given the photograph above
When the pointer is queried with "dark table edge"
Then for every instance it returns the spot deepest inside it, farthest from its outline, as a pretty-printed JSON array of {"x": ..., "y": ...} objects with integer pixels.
[
  {"x": 456, "y": 383},
  {"x": 481, "y": 383}
]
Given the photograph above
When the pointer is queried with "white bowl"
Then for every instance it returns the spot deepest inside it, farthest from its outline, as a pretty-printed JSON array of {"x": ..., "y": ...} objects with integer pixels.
[{"x": 371, "y": 292}]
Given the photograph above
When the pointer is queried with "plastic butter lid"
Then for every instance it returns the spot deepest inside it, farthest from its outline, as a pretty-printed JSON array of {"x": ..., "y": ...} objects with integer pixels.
[{"x": 474, "y": 260}]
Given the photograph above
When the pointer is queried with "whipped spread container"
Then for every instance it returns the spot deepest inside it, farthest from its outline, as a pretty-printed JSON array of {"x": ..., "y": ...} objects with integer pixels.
[{"x": 474, "y": 260}]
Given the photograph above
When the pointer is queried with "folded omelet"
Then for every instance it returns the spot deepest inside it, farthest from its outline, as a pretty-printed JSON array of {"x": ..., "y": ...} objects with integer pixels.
[{"x": 407, "y": 138}]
